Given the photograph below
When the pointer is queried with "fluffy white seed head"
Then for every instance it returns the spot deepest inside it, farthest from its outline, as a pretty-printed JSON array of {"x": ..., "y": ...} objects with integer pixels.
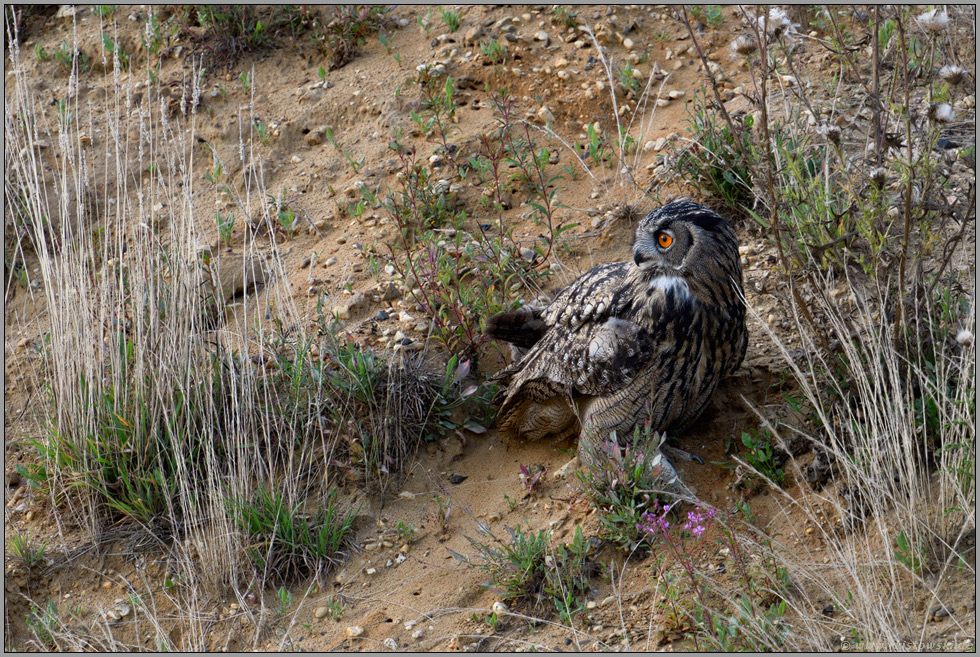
[
  {"x": 742, "y": 45},
  {"x": 779, "y": 25},
  {"x": 951, "y": 74},
  {"x": 934, "y": 20},
  {"x": 940, "y": 113}
]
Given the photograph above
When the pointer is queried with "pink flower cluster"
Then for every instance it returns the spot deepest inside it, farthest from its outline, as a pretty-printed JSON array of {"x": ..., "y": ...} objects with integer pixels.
[
  {"x": 698, "y": 522},
  {"x": 656, "y": 522}
]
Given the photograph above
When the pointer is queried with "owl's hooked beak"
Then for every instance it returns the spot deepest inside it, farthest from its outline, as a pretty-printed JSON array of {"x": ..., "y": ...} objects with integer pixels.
[{"x": 638, "y": 258}]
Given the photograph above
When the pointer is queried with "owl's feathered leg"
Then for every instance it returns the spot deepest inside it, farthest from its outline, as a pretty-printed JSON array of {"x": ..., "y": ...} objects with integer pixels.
[{"x": 593, "y": 449}]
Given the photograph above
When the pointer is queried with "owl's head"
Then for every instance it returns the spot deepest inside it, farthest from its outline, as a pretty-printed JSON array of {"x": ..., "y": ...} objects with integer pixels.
[{"x": 687, "y": 241}]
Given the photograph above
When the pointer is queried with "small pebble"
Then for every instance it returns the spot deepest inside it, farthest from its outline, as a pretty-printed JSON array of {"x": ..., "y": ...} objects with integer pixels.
[{"x": 355, "y": 631}]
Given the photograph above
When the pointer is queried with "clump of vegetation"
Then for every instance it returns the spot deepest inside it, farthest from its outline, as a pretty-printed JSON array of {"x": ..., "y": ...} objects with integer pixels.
[
  {"x": 284, "y": 543},
  {"x": 339, "y": 38},
  {"x": 564, "y": 15},
  {"x": 465, "y": 274},
  {"x": 494, "y": 50},
  {"x": 383, "y": 409},
  {"x": 695, "y": 607},
  {"x": 450, "y": 18},
  {"x": 25, "y": 550},
  {"x": 234, "y": 29},
  {"x": 534, "y": 576},
  {"x": 715, "y": 163},
  {"x": 764, "y": 457},
  {"x": 624, "y": 483}
]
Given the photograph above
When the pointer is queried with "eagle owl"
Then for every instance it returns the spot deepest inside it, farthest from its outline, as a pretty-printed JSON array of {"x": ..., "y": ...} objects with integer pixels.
[{"x": 633, "y": 341}]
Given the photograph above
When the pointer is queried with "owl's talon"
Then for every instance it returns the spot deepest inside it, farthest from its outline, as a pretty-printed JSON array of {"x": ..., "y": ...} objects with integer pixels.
[
  {"x": 569, "y": 468},
  {"x": 676, "y": 453}
]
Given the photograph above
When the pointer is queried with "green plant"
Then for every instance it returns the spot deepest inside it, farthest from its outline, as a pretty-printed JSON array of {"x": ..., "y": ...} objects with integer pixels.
[
  {"x": 234, "y": 28},
  {"x": 355, "y": 165},
  {"x": 425, "y": 23},
  {"x": 715, "y": 162},
  {"x": 564, "y": 15},
  {"x": 340, "y": 38},
  {"x": 261, "y": 130},
  {"x": 450, "y": 18},
  {"x": 28, "y": 552},
  {"x": 492, "y": 619},
  {"x": 105, "y": 11},
  {"x": 528, "y": 572},
  {"x": 225, "y": 226},
  {"x": 763, "y": 457},
  {"x": 355, "y": 209},
  {"x": 713, "y": 16},
  {"x": 444, "y": 508},
  {"x": 115, "y": 51},
  {"x": 911, "y": 557},
  {"x": 66, "y": 56},
  {"x": 462, "y": 280},
  {"x": 437, "y": 110},
  {"x": 406, "y": 532},
  {"x": 43, "y": 624},
  {"x": 284, "y": 542},
  {"x": 749, "y": 618},
  {"x": 41, "y": 54},
  {"x": 153, "y": 37},
  {"x": 367, "y": 390},
  {"x": 623, "y": 485},
  {"x": 245, "y": 79},
  {"x": 387, "y": 41},
  {"x": 493, "y": 50},
  {"x": 65, "y": 116},
  {"x": 597, "y": 148},
  {"x": 285, "y": 601},
  {"x": 629, "y": 81},
  {"x": 336, "y": 608}
]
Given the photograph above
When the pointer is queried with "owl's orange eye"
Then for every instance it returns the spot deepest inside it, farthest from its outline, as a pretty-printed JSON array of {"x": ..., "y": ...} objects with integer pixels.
[{"x": 664, "y": 240}]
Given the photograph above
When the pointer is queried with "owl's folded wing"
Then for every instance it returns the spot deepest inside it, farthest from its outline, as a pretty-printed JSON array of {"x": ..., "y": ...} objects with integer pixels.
[{"x": 589, "y": 297}]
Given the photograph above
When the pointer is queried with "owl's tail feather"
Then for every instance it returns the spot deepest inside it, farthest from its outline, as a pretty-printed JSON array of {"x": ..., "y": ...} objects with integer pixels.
[{"x": 522, "y": 327}]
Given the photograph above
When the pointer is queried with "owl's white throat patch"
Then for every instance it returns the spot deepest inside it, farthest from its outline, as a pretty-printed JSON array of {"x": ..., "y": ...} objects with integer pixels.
[{"x": 675, "y": 284}]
